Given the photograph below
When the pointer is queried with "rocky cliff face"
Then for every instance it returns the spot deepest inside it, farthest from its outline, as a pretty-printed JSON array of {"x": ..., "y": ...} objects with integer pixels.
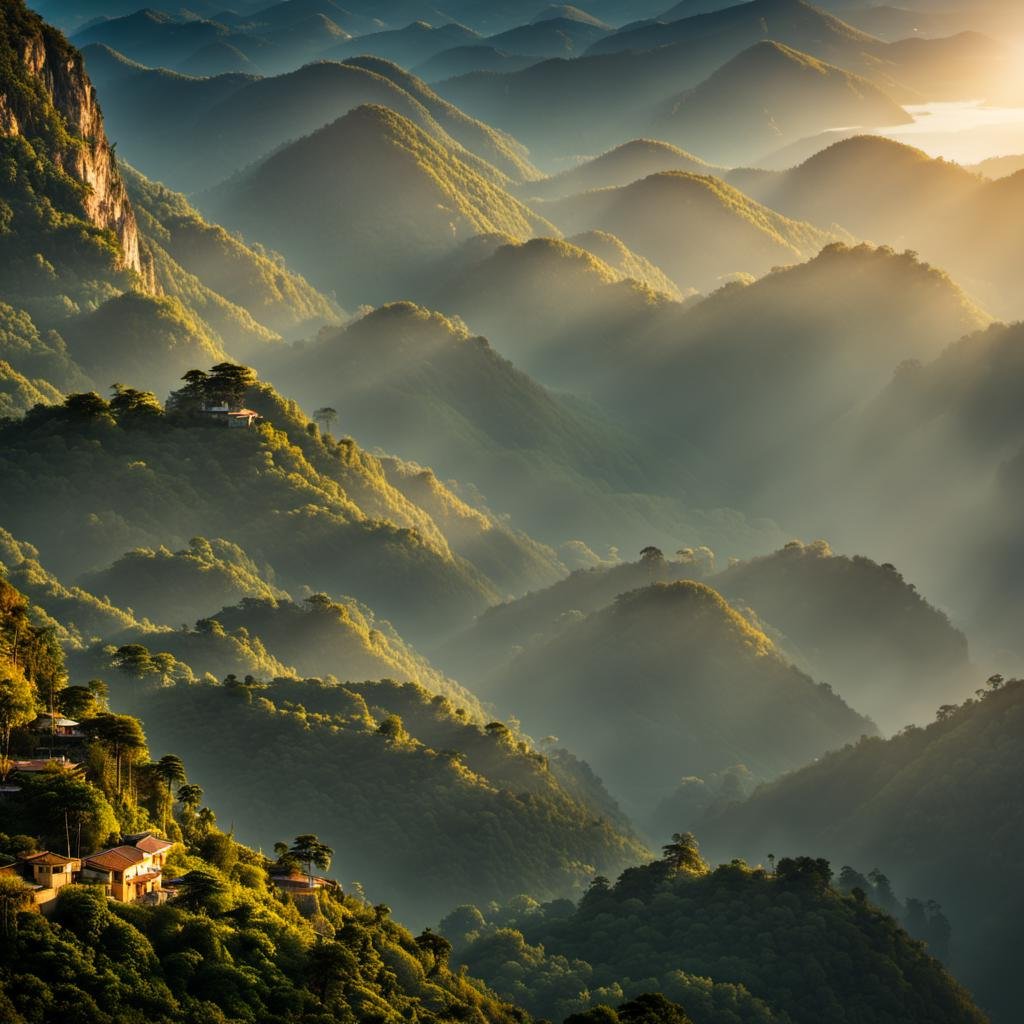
[{"x": 53, "y": 76}]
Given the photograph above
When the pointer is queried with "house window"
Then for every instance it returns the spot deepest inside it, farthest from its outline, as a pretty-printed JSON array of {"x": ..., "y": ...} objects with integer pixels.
[{"x": 117, "y": 876}]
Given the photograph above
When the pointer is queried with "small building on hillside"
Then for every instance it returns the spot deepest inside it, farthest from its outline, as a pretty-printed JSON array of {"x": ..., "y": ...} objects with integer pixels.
[
  {"x": 298, "y": 882},
  {"x": 48, "y": 873},
  {"x": 231, "y": 417},
  {"x": 57, "y": 725}
]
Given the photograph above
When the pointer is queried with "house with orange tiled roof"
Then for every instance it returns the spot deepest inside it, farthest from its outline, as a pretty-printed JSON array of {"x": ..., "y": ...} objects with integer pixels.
[
  {"x": 129, "y": 872},
  {"x": 126, "y": 872}
]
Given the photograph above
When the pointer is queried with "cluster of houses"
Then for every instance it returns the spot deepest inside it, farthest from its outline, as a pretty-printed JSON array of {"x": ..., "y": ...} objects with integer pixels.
[{"x": 129, "y": 873}]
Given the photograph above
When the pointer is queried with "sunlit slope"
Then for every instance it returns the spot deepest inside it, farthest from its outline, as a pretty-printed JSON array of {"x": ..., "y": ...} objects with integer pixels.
[
  {"x": 923, "y": 804},
  {"x": 364, "y": 205},
  {"x": 257, "y": 282},
  {"x": 767, "y": 97},
  {"x": 951, "y": 215},
  {"x": 171, "y": 587},
  {"x": 719, "y": 943},
  {"x": 422, "y": 801},
  {"x": 499, "y": 149},
  {"x": 230, "y": 121},
  {"x": 414, "y": 381},
  {"x": 321, "y": 513},
  {"x": 619, "y": 166},
  {"x": 678, "y": 683},
  {"x": 794, "y": 22},
  {"x": 697, "y": 228}
]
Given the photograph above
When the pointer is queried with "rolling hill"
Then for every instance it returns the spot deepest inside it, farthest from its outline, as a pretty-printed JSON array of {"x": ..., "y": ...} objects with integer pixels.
[
  {"x": 230, "y": 121},
  {"x": 413, "y": 381},
  {"x": 727, "y": 31},
  {"x": 463, "y": 60},
  {"x": 920, "y": 803},
  {"x": 911, "y": 188},
  {"x": 321, "y": 513},
  {"x": 857, "y": 625},
  {"x": 768, "y": 96},
  {"x": 370, "y": 183},
  {"x": 680, "y": 684},
  {"x": 620, "y": 166},
  {"x": 726, "y": 232},
  {"x": 407, "y": 46}
]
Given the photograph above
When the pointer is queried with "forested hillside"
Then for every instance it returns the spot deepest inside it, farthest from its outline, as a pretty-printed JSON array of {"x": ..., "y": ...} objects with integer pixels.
[
  {"x": 924, "y": 804},
  {"x": 416, "y": 419},
  {"x": 663, "y": 669},
  {"x": 734, "y": 943}
]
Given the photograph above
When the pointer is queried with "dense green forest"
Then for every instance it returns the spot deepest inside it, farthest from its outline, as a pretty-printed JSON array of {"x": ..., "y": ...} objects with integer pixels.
[
  {"x": 407, "y": 411},
  {"x": 137, "y": 478},
  {"x": 665, "y": 669},
  {"x": 231, "y": 946},
  {"x": 734, "y": 943},
  {"x": 924, "y": 803}
]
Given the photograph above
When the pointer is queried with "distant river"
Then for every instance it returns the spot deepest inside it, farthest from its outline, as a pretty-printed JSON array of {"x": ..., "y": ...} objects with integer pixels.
[{"x": 965, "y": 132}]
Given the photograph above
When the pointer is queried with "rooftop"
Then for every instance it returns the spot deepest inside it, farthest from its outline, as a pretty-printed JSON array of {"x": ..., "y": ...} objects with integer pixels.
[
  {"x": 116, "y": 859},
  {"x": 152, "y": 844}
]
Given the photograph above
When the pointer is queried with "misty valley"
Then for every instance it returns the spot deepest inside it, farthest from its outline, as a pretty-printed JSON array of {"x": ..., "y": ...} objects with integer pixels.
[{"x": 510, "y": 513}]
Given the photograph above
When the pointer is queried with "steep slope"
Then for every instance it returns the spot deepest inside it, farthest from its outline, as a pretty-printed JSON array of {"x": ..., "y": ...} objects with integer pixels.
[
  {"x": 175, "y": 586},
  {"x": 718, "y": 943},
  {"x": 18, "y": 394},
  {"x": 320, "y": 513},
  {"x": 504, "y": 630},
  {"x": 77, "y": 614},
  {"x": 556, "y": 310},
  {"x": 217, "y": 58},
  {"x": 768, "y": 96},
  {"x": 463, "y": 60},
  {"x": 613, "y": 252},
  {"x": 68, "y": 226},
  {"x": 152, "y": 37},
  {"x": 407, "y": 46},
  {"x": 620, "y": 166},
  {"x": 920, "y": 804},
  {"x": 480, "y": 815},
  {"x": 497, "y": 148},
  {"x": 726, "y": 232},
  {"x": 550, "y": 37},
  {"x": 857, "y": 625},
  {"x": 939, "y": 209},
  {"x": 728, "y": 31},
  {"x": 257, "y": 282},
  {"x": 364, "y": 205},
  {"x": 414, "y": 381},
  {"x": 147, "y": 339},
  {"x": 231, "y": 121},
  {"x": 801, "y": 349},
  {"x": 953, "y": 417},
  {"x": 679, "y": 684}
]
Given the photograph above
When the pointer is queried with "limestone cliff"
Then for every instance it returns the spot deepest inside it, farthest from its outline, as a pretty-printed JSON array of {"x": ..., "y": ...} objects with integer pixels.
[{"x": 47, "y": 99}]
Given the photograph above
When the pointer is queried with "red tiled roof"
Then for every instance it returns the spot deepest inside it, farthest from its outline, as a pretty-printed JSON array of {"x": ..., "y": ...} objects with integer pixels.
[
  {"x": 147, "y": 877},
  {"x": 116, "y": 859},
  {"x": 151, "y": 844}
]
